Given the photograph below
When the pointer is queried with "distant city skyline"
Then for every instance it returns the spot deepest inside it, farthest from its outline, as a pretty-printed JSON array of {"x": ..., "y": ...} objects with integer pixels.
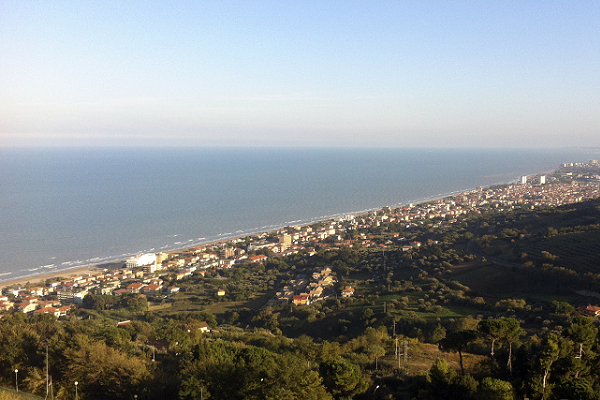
[{"x": 303, "y": 73}]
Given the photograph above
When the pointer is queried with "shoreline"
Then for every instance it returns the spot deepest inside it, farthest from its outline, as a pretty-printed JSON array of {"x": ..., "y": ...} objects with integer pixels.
[
  {"x": 33, "y": 279},
  {"x": 89, "y": 266}
]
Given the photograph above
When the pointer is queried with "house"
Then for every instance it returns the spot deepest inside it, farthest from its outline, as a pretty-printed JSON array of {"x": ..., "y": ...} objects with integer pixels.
[
  {"x": 135, "y": 287},
  {"x": 104, "y": 289},
  {"x": 49, "y": 303},
  {"x": 63, "y": 310},
  {"x": 327, "y": 281},
  {"x": 301, "y": 300},
  {"x": 261, "y": 258},
  {"x": 203, "y": 326},
  {"x": 172, "y": 289},
  {"x": 348, "y": 292},
  {"x": 589, "y": 311},
  {"x": 316, "y": 292},
  {"x": 37, "y": 291},
  {"x": 152, "y": 290},
  {"x": 221, "y": 292},
  {"x": 25, "y": 307},
  {"x": 48, "y": 310}
]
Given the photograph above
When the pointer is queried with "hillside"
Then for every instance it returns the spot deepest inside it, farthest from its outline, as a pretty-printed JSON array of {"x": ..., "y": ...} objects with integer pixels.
[{"x": 417, "y": 290}]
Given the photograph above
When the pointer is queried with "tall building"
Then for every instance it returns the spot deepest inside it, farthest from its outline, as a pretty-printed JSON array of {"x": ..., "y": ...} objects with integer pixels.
[
  {"x": 285, "y": 240},
  {"x": 542, "y": 179},
  {"x": 524, "y": 179}
]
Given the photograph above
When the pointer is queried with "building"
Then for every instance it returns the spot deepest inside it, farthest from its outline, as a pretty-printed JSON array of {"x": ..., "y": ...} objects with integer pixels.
[
  {"x": 301, "y": 300},
  {"x": 152, "y": 289},
  {"x": 135, "y": 287},
  {"x": 71, "y": 296},
  {"x": 150, "y": 268},
  {"x": 285, "y": 241},
  {"x": 142, "y": 260},
  {"x": 589, "y": 311},
  {"x": 261, "y": 258}
]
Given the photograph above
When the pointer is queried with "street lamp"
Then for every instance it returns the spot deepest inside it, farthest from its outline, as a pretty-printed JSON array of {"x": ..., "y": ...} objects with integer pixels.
[
  {"x": 17, "y": 379},
  {"x": 76, "y": 397},
  {"x": 376, "y": 387}
]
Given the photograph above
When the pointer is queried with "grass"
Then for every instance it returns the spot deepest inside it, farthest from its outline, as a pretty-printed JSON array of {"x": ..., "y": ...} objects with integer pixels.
[
  {"x": 421, "y": 357},
  {"x": 10, "y": 394}
]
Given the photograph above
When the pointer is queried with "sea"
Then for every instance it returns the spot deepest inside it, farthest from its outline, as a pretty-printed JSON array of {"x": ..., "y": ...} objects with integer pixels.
[{"x": 62, "y": 208}]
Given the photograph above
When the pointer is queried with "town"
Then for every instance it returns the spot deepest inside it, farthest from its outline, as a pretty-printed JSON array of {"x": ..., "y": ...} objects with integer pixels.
[{"x": 145, "y": 274}]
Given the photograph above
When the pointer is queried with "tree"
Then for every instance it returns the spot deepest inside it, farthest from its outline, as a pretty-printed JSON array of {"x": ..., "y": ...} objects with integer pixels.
[
  {"x": 342, "y": 378},
  {"x": 224, "y": 370},
  {"x": 492, "y": 330},
  {"x": 495, "y": 389},
  {"x": 368, "y": 314},
  {"x": 583, "y": 333},
  {"x": 458, "y": 341},
  {"x": 511, "y": 333},
  {"x": 576, "y": 388},
  {"x": 439, "y": 379},
  {"x": 102, "y": 371},
  {"x": 376, "y": 351},
  {"x": 550, "y": 353}
]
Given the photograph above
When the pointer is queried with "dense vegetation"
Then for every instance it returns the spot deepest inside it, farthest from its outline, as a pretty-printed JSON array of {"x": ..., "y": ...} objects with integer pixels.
[{"x": 446, "y": 320}]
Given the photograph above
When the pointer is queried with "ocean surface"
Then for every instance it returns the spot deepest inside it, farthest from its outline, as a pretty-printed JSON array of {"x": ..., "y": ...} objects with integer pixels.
[{"x": 66, "y": 207}]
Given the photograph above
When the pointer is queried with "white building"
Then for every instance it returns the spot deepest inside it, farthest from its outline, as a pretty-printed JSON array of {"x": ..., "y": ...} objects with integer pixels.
[{"x": 141, "y": 260}]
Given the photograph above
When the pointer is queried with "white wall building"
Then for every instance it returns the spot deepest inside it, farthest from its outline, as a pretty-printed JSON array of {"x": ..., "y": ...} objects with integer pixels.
[{"x": 141, "y": 260}]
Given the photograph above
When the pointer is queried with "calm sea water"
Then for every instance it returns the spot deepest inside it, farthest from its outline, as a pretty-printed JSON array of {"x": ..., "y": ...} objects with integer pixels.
[{"x": 60, "y": 207}]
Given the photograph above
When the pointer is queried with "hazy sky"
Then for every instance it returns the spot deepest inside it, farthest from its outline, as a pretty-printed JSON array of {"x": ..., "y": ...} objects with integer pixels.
[{"x": 300, "y": 73}]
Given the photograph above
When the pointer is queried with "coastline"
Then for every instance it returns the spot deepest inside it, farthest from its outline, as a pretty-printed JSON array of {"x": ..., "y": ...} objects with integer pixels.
[
  {"x": 93, "y": 264},
  {"x": 33, "y": 279},
  {"x": 351, "y": 180},
  {"x": 91, "y": 267}
]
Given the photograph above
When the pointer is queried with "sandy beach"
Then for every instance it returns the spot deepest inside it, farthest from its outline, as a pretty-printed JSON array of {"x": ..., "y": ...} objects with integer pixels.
[{"x": 64, "y": 274}]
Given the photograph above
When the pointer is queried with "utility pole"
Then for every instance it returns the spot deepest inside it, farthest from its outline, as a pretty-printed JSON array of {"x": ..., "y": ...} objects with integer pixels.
[
  {"x": 406, "y": 355},
  {"x": 47, "y": 380}
]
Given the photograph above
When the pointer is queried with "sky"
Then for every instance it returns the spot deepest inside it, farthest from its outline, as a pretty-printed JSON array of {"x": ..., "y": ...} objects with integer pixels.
[{"x": 300, "y": 73}]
